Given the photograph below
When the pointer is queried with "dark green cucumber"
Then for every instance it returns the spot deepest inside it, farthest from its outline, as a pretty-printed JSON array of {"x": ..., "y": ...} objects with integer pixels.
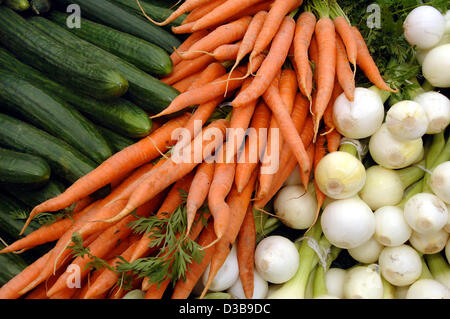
[
  {"x": 22, "y": 168},
  {"x": 40, "y": 6},
  {"x": 52, "y": 114},
  {"x": 119, "y": 115},
  {"x": 11, "y": 265},
  {"x": 148, "y": 92},
  {"x": 111, "y": 14},
  {"x": 117, "y": 141},
  {"x": 64, "y": 160},
  {"x": 152, "y": 10},
  {"x": 59, "y": 61},
  {"x": 12, "y": 217},
  {"x": 142, "y": 54},
  {"x": 32, "y": 198},
  {"x": 18, "y": 5}
]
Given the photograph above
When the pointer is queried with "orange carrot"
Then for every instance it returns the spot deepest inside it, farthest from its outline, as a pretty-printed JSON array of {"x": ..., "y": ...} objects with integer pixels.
[
  {"x": 188, "y": 67},
  {"x": 245, "y": 249},
  {"x": 320, "y": 152},
  {"x": 367, "y": 64},
  {"x": 82, "y": 204},
  {"x": 304, "y": 31},
  {"x": 226, "y": 52},
  {"x": 184, "y": 84},
  {"x": 310, "y": 151},
  {"x": 272, "y": 23},
  {"x": 344, "y": 29},
  {"x": 344, "y": 73},
  {"x": 199, "y": 12},
  {"x": 184, "y": 28},
  {"x": 190, "y": 40},
  {"x": 326, "y": 68},
  {"x": 328, "y": 115},
  {"x": 120, "y": 163},
  {"x": 271, "y": 65},
  {"x": 210, "y": 73},
  {"x": 255, "y": 144}
]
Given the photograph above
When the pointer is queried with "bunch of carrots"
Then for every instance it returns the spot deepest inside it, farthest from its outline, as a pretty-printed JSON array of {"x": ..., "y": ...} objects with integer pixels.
[{"x": 280, "y": 64}]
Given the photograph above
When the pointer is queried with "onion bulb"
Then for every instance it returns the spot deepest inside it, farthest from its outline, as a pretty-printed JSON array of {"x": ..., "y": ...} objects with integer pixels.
[
  {"x": 425, "y": 213},
  {"x": 436, "y": 66},
  {"x": 363, "y": 282},
  {"x": 407, "y": 120},
  {"x": 437, "y": 107},
  {"x": 334, "y": 279},
  {"x": 440, "y": 181},
  {"x": 227, "y": 274},
  {"x": 340, "y": 175},
  {"x": 430, "y": 243},
  {"x": 428, "y": 289},
  {"x": 400, "y": 265},
  {"x": 348, "y": 223},
  {"x": 391, "y": 228},
  {"x": 368, "y": 252},
  {"x": 260, "y": 288}
]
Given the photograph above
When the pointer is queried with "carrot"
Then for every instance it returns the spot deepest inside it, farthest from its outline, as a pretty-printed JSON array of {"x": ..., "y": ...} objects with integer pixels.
[
  {"x": 326, "y": 68},
  {"x": 183, "y": 288},
  {"x": 222, "y": 13},
  {"x": 171, "y": 171},
  {"x": 255, "y": 144},
  {"x": 288, "y": 88},
  {"x": 187, "y": 6},
  {"x": 320, "y": 152},
  {"x": 343, "y": 28},
  {"x": 226, "y": 52},
  {"x": 271, "y": 65},
  {"x": 288, "y": 130},
  {"x": 200, "y": 11},
  {"x": 245, "y": 248},
  {"x": 184, "y": 84},
  {"x": 328, "y": 115},
  {"x": 82, "y": 204},
  {"x": 274, "y": 21},
  {"x": 343, "y": 71},
  {"x": 121, "y": 246},
  {"x": 198, "y": 191},
  {"x": 210, "y": 73},
  {"x": 184, "y": 28},
  {"x": 190, "y": 40},
  {"x": 224, "y": 34},
  {"x": 304, "y": 31},
  {"x": 120, "y": 163},
  {"x": 209, "y": 91},
  {"x": 333, "y": 141},
  {"x": 310, "y": 151},
  {"x": 238, "y": 203},
  {"x": 188, "y": 67},
  {"x": 367, "y": 64}
]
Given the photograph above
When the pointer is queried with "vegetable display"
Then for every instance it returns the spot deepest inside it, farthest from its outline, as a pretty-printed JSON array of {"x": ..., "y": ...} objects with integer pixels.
[{"x": 224, "y": 149}]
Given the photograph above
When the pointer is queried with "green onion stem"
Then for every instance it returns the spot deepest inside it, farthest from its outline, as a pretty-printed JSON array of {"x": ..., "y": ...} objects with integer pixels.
[
  {"x": 411, "y": 174},
  {"x": 320, "y": 286},
  {"x": 438, "y": 153},
  {"x": 383, "y": 94},
  {"x": 388, "y": 289},
  {"x": 426, "y": 273},
  {"x": 413, "y": 190},
  {"x": 217, "y": 295},
  {"x": 439, "y": 268},
  {"x": 349, "y": 148}
]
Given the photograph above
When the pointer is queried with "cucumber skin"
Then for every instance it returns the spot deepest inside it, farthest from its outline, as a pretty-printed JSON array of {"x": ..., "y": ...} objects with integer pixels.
[
  {"x": 53, "y": 115},
  {"x": 64, "y": 160},
  {"x": 32, "y": 198},
  {"x": 22, "y": 168},
  {"x": 59, "y": 61},
  {"x": 11, "y": 265},
  {"x": 117, "y": 142},
  {"x": 119, "y": 115}
]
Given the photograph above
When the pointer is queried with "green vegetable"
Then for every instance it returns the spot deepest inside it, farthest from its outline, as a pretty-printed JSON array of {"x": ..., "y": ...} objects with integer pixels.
[
  {"x": 21, "y": 168},
  {"x": 108, "y": 13},
  {"x": 65, "y": 161},
  {"x": 40, "y": 6},
  {"x": 32, "y": 198},
  {"x": 53, "y": 115},
  {"x": 18, "y": 5},
  {"x": 11, "y": 265},
  {"x": 12, "y": 217},
  {"x": 117, "y": 141},
  {"x": 59, "y": 61},
  {"x": 120, "y": 115}
]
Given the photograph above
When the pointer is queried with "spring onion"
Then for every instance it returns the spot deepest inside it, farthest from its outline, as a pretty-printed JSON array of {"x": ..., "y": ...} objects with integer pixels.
[
  {"x": 363, "y": 282},
  {"x": 435, "y": 66},
  {"x": 227, "y": 274},
  {"x": 440, "y": 181},
  {"x": 334, "y": 278},
  {"x": 368, "y": 252},
  {"x": 400, "y": 265},
  {"x": 260, "y": 288},
  {"x": 391, "y": 228},
  {"x": 437, "y": 108},
  {"x": 429, "y": 244},
  {"x": 428, "y": 289},
  {"x": 439, "y": 268},
  {"x": 407, "y": 120}
]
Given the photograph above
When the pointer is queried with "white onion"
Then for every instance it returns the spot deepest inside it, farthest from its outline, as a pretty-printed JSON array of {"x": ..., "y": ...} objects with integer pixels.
[
  {"x": 334, "y": 279},
  {"x": 260, "y": 288},
  {"x": 227, "y": 274},
  {"x": 436, "y": 66},
  {"x": 363, "y": 282},
  {"x": 425, "y": 213},
  {"x": 401, "y": 292},
  {"x": 407, "y": 120},
  {"x": 400, "y": 265},
  {"x": 134, "y": 294},
  {"x": 428, "y": 289},
  {"x": 360, "y": 118},
  {"x": 348, "y": 223},
  {"x": 368, "y": 252},
  {"x": 340, "y": 175},
  {"x": 429, "y": 244},
  {"x": 295, "y": 207},
  {"x": 391, "y": 228},
  {"x": 383, "y": 187},
  {"x": 447, "y": 226},
  {"x": 437, "y": 108},
  {"x": 424, "y": 27},
  {"x": 390, "y": 152},
  {"x": 440, "y": 181},
  {"x": 276, "y": 259}
]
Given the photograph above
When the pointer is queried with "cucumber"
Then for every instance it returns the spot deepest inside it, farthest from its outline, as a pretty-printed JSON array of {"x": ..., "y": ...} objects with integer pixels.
[
  {"x": 145, "y": 90},
  {"x": 152, "y": 10},
  {"x": 18, "y": 5},
  {"x": 40, "y": 6},
  {"x": 32, "y": 198},
  {"x": 111, "y": 14},
  {"x": 21, "y": 168},
  {"x": 12, "y": 217},
  {"x": 117, "y": 141},
  {"x": 11, "y": 265},
  {"x": 59, "y": 61},
  {"x": 53, "y": 115},
  {"x": 64, "y": 160},
  {"x": 119, "y": 115},
  {"x": 142, "y": 54}
]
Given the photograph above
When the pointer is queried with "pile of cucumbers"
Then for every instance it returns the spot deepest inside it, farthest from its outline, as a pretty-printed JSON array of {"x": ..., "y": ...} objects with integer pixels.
[{"x": 79, "y": 80}]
